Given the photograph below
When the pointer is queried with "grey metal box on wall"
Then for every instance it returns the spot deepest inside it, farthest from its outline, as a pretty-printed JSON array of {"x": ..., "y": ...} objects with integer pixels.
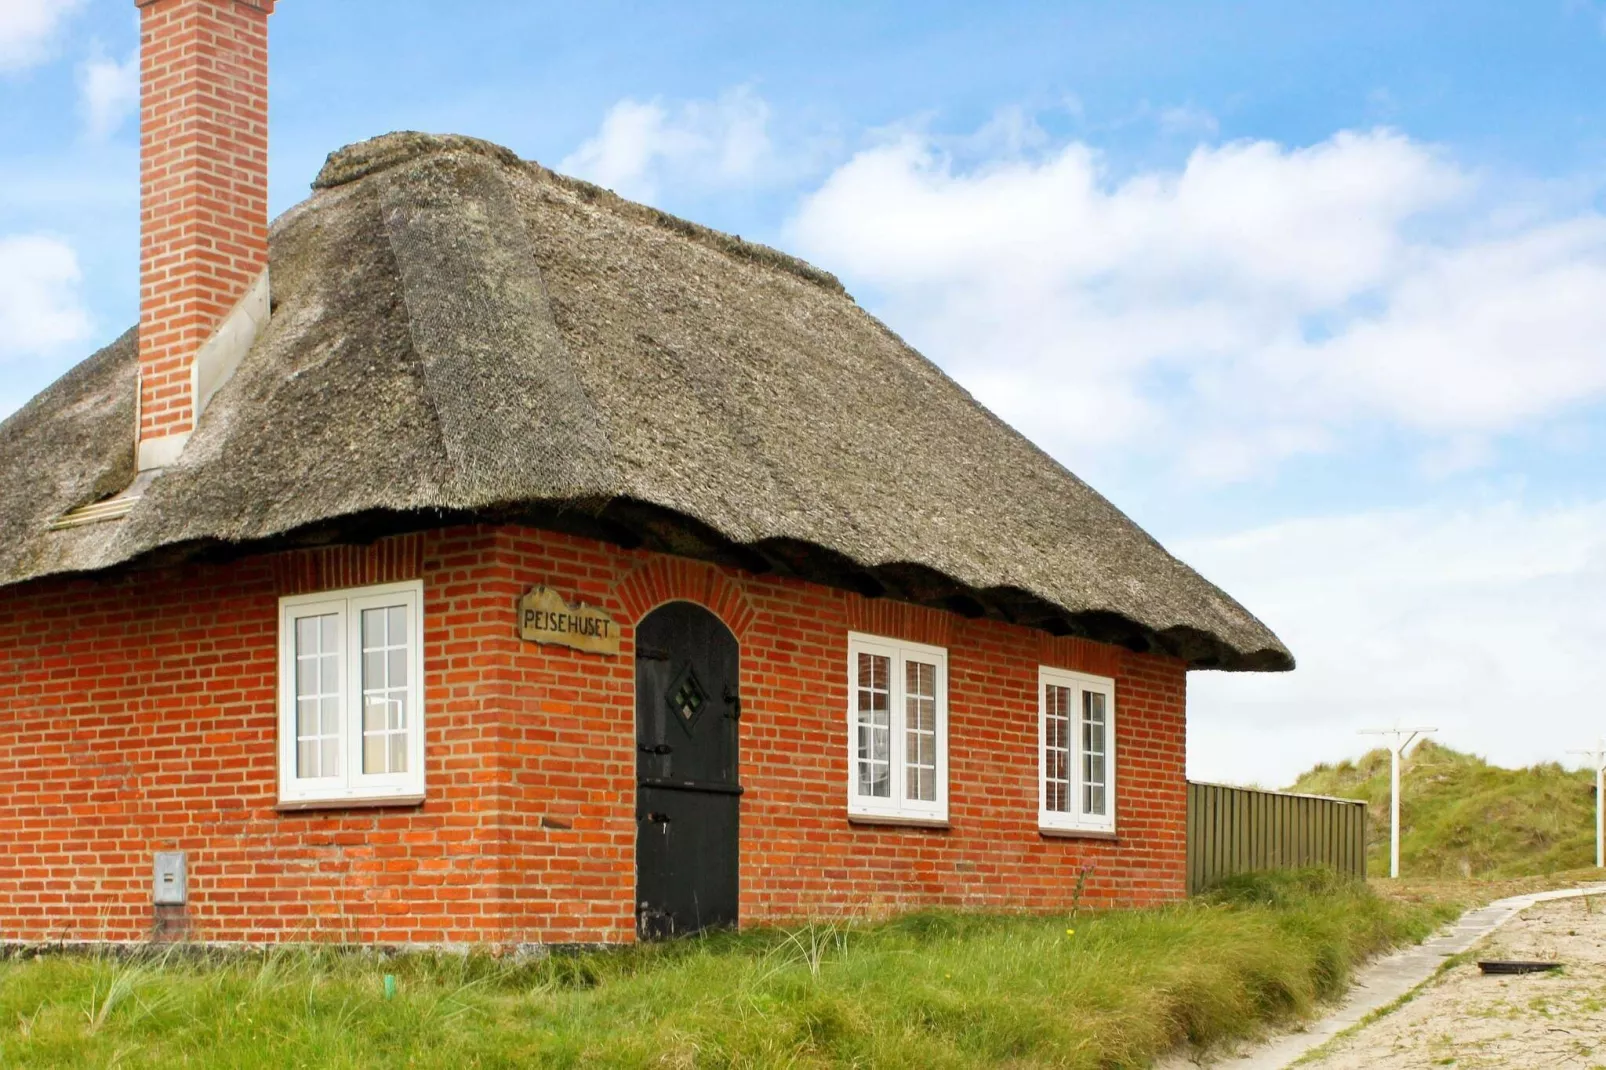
[{"x": 169, "y": 883}]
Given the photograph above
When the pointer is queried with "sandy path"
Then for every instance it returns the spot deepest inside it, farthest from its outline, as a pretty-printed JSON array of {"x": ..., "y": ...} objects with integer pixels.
[{"x": 1464, "y": 1019}]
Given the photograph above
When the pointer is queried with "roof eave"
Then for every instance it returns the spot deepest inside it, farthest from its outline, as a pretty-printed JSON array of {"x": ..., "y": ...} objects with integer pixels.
[{"x": 638, "y": 525}]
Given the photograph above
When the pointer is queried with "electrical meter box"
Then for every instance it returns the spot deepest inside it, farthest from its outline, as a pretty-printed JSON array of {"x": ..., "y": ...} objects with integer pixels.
[{"x": 170, "y": 887}]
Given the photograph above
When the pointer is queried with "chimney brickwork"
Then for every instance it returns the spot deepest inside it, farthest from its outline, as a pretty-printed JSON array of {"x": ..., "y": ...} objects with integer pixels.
[{"x": 203, "y": 195}]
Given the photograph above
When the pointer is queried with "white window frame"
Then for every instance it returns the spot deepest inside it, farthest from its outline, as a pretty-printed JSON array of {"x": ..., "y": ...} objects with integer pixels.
[
  {"x": 351, "y": 786},
  {"x": 1077, "y": 820},
  {"x": 896, "y": 809}
]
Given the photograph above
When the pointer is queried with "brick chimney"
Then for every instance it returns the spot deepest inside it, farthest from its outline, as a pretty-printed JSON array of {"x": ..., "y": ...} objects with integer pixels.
[{"x": 203, "y": 171}]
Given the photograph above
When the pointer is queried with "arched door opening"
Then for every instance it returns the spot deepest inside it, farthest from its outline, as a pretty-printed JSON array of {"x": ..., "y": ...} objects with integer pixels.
[{"x": 688, "y": 789}]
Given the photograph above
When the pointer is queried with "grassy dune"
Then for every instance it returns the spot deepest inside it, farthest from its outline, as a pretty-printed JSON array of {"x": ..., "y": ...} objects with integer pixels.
[
  {"x": 1462, "y": 817},
  {"x": 925, "y": 990}
]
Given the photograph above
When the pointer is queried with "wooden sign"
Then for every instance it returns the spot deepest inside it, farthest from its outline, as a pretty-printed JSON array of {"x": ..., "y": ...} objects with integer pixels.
[{"x": 544, "y": 617}]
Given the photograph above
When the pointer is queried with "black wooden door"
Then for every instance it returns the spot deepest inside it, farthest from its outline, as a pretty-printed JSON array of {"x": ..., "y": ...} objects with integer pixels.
[{"x": 687, "y": 788}]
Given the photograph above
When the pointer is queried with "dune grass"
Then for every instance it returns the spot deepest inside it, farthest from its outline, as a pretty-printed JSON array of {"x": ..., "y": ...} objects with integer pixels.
[
  {"x": 923, "y": 990},
  {"x": 1462, "y": 817}
]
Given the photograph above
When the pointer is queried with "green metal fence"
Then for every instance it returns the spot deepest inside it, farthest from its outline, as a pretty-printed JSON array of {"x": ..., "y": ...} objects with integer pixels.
[{"x": 1233, "y": 830}]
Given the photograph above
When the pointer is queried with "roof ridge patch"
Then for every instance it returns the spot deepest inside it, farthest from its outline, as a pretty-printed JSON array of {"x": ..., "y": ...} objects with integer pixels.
[{"x": 386, "y": 151}]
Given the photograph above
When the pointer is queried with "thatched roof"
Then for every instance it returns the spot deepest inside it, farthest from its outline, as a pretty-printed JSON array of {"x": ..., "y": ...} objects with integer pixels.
[{"x": 458, "y": 334}]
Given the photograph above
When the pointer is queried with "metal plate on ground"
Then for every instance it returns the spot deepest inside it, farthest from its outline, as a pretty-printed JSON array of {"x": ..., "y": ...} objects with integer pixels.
[{"x": 1505, "y": 966}]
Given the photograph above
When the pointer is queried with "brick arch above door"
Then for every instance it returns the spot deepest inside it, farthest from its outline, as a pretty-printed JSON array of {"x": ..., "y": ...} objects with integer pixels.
[{"x": 670, "y": 579}]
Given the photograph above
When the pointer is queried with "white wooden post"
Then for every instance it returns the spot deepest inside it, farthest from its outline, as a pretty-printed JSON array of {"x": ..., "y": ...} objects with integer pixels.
[
  {"x": 1399, "y": 740},
  {"x": 1597, "y": 758},
  {"x": 1394, "y": 812}
]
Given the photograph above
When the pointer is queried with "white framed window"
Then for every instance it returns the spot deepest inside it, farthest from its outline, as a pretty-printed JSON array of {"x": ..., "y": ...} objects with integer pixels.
[
  {"x": 1075, "y": 751},
  {"x": 897, "y": 731},
  {"x": 351, "y": 696}
]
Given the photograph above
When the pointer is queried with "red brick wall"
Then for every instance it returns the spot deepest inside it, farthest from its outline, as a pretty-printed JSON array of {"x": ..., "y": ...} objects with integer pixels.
[
  {"x": 203, "y": 186},
  {"x": 137, "y": 713}
]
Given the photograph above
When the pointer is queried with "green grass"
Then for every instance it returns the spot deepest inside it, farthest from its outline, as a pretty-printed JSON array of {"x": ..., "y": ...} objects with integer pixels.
[
  {"x": 923, "y": 990},
  {"x": 1462, "y": 817}
]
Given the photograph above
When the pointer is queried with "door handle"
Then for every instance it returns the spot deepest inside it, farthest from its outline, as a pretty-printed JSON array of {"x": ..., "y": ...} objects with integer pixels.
[
  {"x": 656, "y": 818},
  {"x": 661, "y": 748}
]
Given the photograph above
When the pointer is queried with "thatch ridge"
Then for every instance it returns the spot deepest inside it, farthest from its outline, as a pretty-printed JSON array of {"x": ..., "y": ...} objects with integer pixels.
[
  {"x": 458, "y": 334},
  {"x": 731, "y": 244},
  {"x": 393, "y": 150}
]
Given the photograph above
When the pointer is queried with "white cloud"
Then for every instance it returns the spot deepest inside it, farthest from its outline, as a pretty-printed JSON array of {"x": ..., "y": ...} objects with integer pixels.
[
  {"x": 704, "y": 144},
  {"x": 1255, "y": 303},
  {"x": 1483, "y": 336},
  {"x": 41, "y": 306},
  {"x": 1485, "y": 620},
  {"x": 28, "y": 30},
  {"x": 108, "y": 93},
  {"x": 1186, "y": 120}
]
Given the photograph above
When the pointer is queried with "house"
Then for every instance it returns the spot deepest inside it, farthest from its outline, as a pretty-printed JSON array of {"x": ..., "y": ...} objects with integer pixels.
[{"x": 476, "y": 556}]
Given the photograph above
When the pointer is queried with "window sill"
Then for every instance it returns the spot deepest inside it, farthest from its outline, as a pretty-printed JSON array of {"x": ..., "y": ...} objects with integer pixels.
[
  {"x": 920, "y": 821},
  {"x": 363, "y": 802},
  {"x": 1048, "y": 832}
]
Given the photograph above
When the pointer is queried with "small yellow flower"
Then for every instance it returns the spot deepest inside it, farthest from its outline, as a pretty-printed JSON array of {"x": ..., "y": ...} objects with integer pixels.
[{"x": 1070, "y": 932}]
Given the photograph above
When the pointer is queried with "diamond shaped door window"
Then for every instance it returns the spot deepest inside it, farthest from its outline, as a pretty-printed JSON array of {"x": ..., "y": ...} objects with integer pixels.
[{"x": 686, "y": 697}]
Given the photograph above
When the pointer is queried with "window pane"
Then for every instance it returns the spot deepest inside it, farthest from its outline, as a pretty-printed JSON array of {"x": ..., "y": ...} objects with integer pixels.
[
  {"x": 373, "y": 751},
  {"x": 920, "y": 724},
  {"x": 1056, "y": 749},
  {"x": 1093, "y": 752},
  {"x": 317, "y": 688},
  {"x": 874, "y": 710},
  {"x": 384, "y": 690},
  {"x": 373, "y": 628},
  {"x": 306, "y": 717},
  {"x": 307, "y": 679},
  {"x": 375, "y": 717},
  {"x": 373, "y": 667}
]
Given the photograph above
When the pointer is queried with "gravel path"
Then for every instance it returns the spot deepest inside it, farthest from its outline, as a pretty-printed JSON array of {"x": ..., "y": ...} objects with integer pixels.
[
  {"x": 1464, "y": 1019},
  {"x": 1574, "y": 1034}
]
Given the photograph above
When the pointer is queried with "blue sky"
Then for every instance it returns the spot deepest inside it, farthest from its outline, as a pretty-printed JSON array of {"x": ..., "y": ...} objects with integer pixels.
[{"x": 1317, "y": 292}]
